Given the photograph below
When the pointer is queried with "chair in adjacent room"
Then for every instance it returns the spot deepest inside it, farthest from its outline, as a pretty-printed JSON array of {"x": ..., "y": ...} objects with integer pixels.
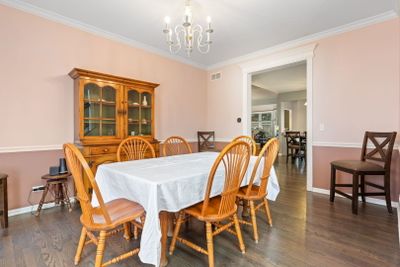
[
  {"x": 234, "y": 159},
  {"x": 206, "y": 141},
  {"x": 175, "y": 145},
  {"x": 106, "y": 219},
  {"x": 134, "y": 148},
  {"x": 248, "y": 140},
  {"x": 292, "y": 144},
  {"x": 256, "y": 194},
  {"x": 375, "y": 161}
]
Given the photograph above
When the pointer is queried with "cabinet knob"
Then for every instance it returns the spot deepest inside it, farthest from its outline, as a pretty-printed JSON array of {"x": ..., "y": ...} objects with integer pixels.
[{"x": 105, "y": 149}]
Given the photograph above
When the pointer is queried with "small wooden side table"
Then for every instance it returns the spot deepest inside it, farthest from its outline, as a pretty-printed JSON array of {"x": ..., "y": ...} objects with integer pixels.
[
  {"x": 59, "y": 185},
  {"x": 3, "y": 200}
]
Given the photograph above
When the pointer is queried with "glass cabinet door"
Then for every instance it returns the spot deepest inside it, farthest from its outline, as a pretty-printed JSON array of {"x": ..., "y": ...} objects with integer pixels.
[
  {"x": 133, "y": 112},
  {"x": 146, "y": 110},
  {"x": 139, "y": 113},
  {"x": 99, "y": 110}
]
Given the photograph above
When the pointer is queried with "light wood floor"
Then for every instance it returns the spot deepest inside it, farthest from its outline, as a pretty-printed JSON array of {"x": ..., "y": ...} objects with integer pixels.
[{"x": 307, "y": 231}]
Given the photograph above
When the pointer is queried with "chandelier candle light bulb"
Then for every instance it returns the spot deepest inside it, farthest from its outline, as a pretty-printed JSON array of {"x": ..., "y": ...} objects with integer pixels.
[{"x": 188, "y": 33}]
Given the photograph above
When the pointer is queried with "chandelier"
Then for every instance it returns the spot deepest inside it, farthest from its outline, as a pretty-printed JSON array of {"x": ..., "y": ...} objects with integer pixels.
[{"x": 188, "y": 34}]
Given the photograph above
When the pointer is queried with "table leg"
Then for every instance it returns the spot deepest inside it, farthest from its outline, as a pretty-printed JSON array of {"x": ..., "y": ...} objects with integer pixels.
[{"x": 164, "y": 231}]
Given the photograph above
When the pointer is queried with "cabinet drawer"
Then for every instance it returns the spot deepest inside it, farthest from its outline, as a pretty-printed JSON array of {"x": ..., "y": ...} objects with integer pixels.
[{"x": 98, "y": 150}]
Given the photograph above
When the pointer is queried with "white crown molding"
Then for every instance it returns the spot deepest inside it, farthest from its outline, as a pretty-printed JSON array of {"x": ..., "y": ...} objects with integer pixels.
[
  {"x": 397, "y": 6},
  {"x": 371, "y": 200},
  {"x": 345, "y": 145},
  {"x": 29, "y": 148},
  {"x": 308, "y": 39},
  {"x": 29, "y": 8}
]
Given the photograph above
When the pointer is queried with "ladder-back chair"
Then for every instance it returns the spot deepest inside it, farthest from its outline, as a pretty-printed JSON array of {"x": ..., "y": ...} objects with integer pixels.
[
  {"x": 292, "y": 144},
  {"x": 206, "y": 141},
  {"x": 368, "y": 165},
  {"x": 107, "y": 219},
  {"x": 234, "y": 159}
]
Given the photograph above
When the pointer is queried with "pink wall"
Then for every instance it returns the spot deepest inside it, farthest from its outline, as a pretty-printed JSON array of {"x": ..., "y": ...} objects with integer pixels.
[
  {"x": 37, "y": 94},
  {"x": 356, "y": 87},
  {"x": 36, "y": 56}
]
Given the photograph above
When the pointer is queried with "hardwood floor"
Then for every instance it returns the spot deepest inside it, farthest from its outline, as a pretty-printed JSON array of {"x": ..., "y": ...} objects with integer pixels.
[{"x": 308, "y": 231}]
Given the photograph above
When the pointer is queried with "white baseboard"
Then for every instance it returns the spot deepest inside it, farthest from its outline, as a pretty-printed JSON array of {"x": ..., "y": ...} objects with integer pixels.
[
  {"x": 367, "y": 199},
  {"x": 28, "y": 209}
]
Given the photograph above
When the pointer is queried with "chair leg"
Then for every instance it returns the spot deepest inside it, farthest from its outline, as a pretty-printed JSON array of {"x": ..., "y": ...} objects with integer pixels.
[
  {"x": 210, "y": 245},
  {"x": 127, "y": 231},
  {"x": 176, "y": 232},
  {"x": 239, "y": 233},
  {"x": 66, "y": 197},
  {"x": 354, "y": 200},
  {"x": 100, "y": 249},
  {"x": 387, "y": 192},
  {"x": 333, "y": 182},
  {"x": 245, "y": 211},
  {"x": 254, "y": 220},
  {"x": 81, "y": 244},
  {"x": 268, "y": 212},
  {"x": 46, "y": 190},
  {"x": 362, "y": 187}
]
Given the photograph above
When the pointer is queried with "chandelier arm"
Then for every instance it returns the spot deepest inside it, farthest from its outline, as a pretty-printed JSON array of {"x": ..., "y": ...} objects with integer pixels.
[
  {"x": 200, "y": 43},
  {"x": 177, "y": 45}
]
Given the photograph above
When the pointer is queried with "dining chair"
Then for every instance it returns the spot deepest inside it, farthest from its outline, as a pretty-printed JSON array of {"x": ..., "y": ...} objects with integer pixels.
[
  {"x": 253, "y": 193},
  {"x": 206, "y": 141},
  {"x": 368, "y": 165},
  {"x": 292, "y": 144},
  {"x": 175, "y": 145},
  {"x": 134, "y": 148},
  {"x": 249, "y": 140},
  {"x": 233, "y": 162},
  {"x": 106, "y": 219}
]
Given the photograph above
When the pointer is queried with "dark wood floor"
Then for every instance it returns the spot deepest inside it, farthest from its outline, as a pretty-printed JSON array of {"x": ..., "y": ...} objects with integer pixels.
[{"x": 307, "y": 231}]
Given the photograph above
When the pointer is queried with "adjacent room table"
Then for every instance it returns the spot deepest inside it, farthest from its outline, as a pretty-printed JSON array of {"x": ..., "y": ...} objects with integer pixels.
[{"x": 163, "y": 185}]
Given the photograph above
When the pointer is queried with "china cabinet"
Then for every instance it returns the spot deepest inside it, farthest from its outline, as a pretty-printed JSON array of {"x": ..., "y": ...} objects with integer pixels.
[{"x": 108, "y": 109}]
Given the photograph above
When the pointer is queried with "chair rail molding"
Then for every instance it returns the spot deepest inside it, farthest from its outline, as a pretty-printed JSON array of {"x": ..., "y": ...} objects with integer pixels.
[
  {"x": 15, "y": 149},
  {"x": 298, "y": 54},
  {"x": 345, "y": 145}
]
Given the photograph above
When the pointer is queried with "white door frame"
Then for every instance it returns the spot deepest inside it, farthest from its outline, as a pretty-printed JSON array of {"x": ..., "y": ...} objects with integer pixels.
[{"x": 304, "y": 53}]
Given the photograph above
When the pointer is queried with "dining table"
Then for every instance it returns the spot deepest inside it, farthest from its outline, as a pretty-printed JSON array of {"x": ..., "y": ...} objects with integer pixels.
[{"x": 166, "y": 185}]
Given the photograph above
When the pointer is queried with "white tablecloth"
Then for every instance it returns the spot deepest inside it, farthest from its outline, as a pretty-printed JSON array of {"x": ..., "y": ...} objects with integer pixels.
[{"x": 165, "y": 184}]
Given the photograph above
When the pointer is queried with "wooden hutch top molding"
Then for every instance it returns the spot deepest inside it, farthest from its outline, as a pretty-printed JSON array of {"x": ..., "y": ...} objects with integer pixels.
[{"x": 77, "y": 72}]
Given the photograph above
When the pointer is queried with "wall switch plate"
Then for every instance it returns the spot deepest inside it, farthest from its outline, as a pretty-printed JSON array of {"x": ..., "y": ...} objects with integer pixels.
[
  {"x": 38, "y": 188},
  {"x": 322, "y": 127}
]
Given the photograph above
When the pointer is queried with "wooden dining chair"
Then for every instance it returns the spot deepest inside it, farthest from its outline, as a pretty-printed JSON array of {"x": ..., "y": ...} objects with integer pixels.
[
  {"x": 253, "y": 194},
  {"x": 234, "y": 160},
  {"x": 249, "y": 140},
  {"x": 134, "y": 148},
  {"x": 368, "y": 165},
  {"x": 292, "y": 144},
  {"x": 175, "y": 145},
  {"x": 206, "y": 141},
  {"x": 106, "y": 219}
]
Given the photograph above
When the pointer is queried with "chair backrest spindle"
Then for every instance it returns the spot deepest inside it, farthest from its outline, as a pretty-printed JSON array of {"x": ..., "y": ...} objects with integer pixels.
[
  {"x": 248, "y": 140},
  {"x": 235, "y": 159},
  {"x": 134, "y": 148},
  {"x": 175, "y": 145}
]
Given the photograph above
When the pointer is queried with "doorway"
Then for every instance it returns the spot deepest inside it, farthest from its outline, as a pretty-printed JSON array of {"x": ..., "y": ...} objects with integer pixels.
[{"x": 272, "y": 62}]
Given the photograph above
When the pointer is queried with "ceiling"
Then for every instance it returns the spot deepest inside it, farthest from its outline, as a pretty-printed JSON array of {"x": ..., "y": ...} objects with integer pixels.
[
  {"x": 241, "y": 27},
  {"x": 288, "y": 78}
]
